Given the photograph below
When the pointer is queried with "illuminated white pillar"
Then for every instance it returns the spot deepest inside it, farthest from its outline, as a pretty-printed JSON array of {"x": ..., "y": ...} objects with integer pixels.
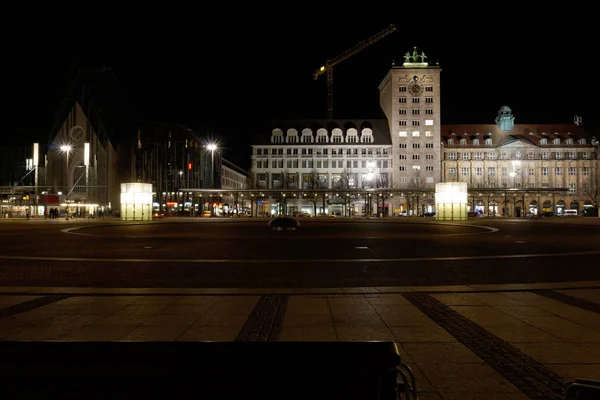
[
  {"x": 136, "y": 201},
  {"x": 36, "y": 160},
  {"x": 86, "y": 162},
  {"x": 451, "y": 201}
]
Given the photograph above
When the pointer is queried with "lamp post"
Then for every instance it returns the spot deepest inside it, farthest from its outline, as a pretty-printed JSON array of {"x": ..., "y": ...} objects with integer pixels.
[
  {"x": 212, "y": 147},
  {"x": 66, "y": 149}
]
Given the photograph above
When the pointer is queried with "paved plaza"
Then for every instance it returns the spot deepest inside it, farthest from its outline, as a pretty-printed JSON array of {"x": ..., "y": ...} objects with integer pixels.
[
  {"x": 479, "y": 309},
  {"x": 476, "y": 342}
]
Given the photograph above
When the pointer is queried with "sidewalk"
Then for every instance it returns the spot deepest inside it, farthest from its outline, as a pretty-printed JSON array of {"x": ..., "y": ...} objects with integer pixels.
[{"x": 475, "y": 342}]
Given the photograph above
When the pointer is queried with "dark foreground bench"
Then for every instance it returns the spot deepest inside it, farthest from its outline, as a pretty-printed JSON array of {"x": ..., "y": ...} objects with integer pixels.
[{"x": 204, "y": 370}]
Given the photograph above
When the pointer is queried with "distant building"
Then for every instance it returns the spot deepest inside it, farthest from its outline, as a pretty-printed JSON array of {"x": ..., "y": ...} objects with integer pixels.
[
  {"x": 87, "y": 156},
  {"x": 510, "y": 169},
  {"x": 99, "y": 140}
]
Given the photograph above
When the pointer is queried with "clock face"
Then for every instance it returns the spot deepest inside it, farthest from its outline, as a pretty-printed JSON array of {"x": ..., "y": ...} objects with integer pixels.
[
  {"x": 415, "y": 88},
  {"x": 77, "y": 133}
]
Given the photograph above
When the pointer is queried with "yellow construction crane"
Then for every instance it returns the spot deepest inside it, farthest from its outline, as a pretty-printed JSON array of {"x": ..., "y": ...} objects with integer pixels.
[{"x": 329, "y": 64}]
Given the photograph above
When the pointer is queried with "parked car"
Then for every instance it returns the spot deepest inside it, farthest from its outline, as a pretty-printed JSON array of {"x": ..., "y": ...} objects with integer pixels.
[
  {"x": 284, "y": 223},
  {"x": 429, "y": 214}
]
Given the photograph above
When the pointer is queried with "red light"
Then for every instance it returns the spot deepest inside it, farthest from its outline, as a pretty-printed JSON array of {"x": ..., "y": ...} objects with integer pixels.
[{"x": 190, "y": 165}]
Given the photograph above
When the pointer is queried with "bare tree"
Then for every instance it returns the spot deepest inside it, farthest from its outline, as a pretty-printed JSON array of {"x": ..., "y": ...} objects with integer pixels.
[
  {"x": 592, "y": 192},
  {"x": 415, "y": 187},
  {"x": 382, "y": 181},
  {"x": 291, "y": 180},
  {"x": 344, "y": 182}
]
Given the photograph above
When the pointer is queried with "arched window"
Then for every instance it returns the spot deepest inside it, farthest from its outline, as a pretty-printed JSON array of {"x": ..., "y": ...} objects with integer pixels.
[{"x": 277, "y": 136}]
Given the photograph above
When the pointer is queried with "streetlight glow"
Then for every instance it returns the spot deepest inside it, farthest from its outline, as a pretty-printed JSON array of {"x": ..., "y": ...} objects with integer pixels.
[
  {"x": 211, "y": 147},
  {"x": 65, "y": 148}
]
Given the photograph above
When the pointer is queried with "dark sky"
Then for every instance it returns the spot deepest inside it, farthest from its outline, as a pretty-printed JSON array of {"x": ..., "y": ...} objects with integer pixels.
[{"x": 232, "y": 80}]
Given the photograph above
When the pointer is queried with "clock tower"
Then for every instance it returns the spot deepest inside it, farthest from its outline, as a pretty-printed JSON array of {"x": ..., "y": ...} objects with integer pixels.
[{"x": 410, "y": 98}]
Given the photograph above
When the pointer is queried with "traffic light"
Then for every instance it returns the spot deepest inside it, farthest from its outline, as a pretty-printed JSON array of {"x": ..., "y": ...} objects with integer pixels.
[{"x": 189, "y": 166}]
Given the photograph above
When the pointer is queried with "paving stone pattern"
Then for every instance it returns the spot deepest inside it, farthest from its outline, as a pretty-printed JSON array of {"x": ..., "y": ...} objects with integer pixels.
[
  {"x": 475, "y": 344},
  {"x": 570, "y": 300},
  {"x": 531, "y": 377},
  {"x": 265, "y": 321}
]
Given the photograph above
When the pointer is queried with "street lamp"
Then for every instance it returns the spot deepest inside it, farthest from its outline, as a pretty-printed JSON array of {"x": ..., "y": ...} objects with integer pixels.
[
  {"x": 66, "y": 149},
  {"x": 212, "y": 147}
]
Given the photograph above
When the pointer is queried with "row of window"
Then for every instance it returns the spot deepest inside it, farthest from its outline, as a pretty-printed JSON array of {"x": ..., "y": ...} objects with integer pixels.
[
  {"x": 516, "y": 172},
  {"x": 542, "y": 141},
  {"x": 404, "y": 88},
  {"x": 405, "y": 168},
  {"x": 320, "y": 180},
  {"x": 415, "y": 100},
  {"x": 531, "y": 185},
  {"x": 415, "y": 122},
  {"x": 413, "y": 179},
  {"x": 415, "y": 134},
  {"x": 531, "y": 155},
  {"x": 415, "y": 111},
  {"x": 322, "y": 164},
  {"x": 337, "y": 136},
  {"x": 319, "y": 151},
  {"x": 416, "y": 157}
]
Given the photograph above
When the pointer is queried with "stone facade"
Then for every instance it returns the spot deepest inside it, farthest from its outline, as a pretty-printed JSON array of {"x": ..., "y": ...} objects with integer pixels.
[{"x": 510, "y": 169}]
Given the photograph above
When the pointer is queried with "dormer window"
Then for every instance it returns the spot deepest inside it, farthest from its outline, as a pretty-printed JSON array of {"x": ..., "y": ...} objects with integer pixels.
[
  {"x": 556, "y": 141},
  {"x": 450, "y": 142},
  {"x": 366, "y": 136},
  {"x": 488, "y": 142},
  {"x": 351, "y": 136},
  {"x": 569, "y": 141},
  {"x": 322, "y": 136},
  {"x": 307, "y": 136},
  {"x": 543, "y": 141},
  {"x": 582, "y": 141},
  {"x": 336, "y": 136},
  {"x": 291, "y": 136},
  {"x": 475, "y": 142},
  {"x": 277, "y": 136},
  {"x": 463, "y": 142}
]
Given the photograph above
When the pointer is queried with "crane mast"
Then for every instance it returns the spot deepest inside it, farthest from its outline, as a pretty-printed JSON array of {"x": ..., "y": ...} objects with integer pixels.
[{"x": 329, "y": 64}]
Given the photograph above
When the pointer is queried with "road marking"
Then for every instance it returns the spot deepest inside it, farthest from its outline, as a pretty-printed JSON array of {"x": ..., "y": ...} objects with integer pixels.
[
  {"x": 75, "y": 230},
  {"x": 295, "y": 261},
  {"x": 361, "y": 247}
]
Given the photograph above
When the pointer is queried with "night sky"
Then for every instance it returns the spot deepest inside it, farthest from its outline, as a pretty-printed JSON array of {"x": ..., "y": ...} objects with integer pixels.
[{"x": 231, "y": 82}]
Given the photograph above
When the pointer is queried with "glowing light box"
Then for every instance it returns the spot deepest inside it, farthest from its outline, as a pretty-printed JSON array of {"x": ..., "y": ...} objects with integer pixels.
[
  {"x": 136, "y": 201},
  {"x": 451, "y": 201}
]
